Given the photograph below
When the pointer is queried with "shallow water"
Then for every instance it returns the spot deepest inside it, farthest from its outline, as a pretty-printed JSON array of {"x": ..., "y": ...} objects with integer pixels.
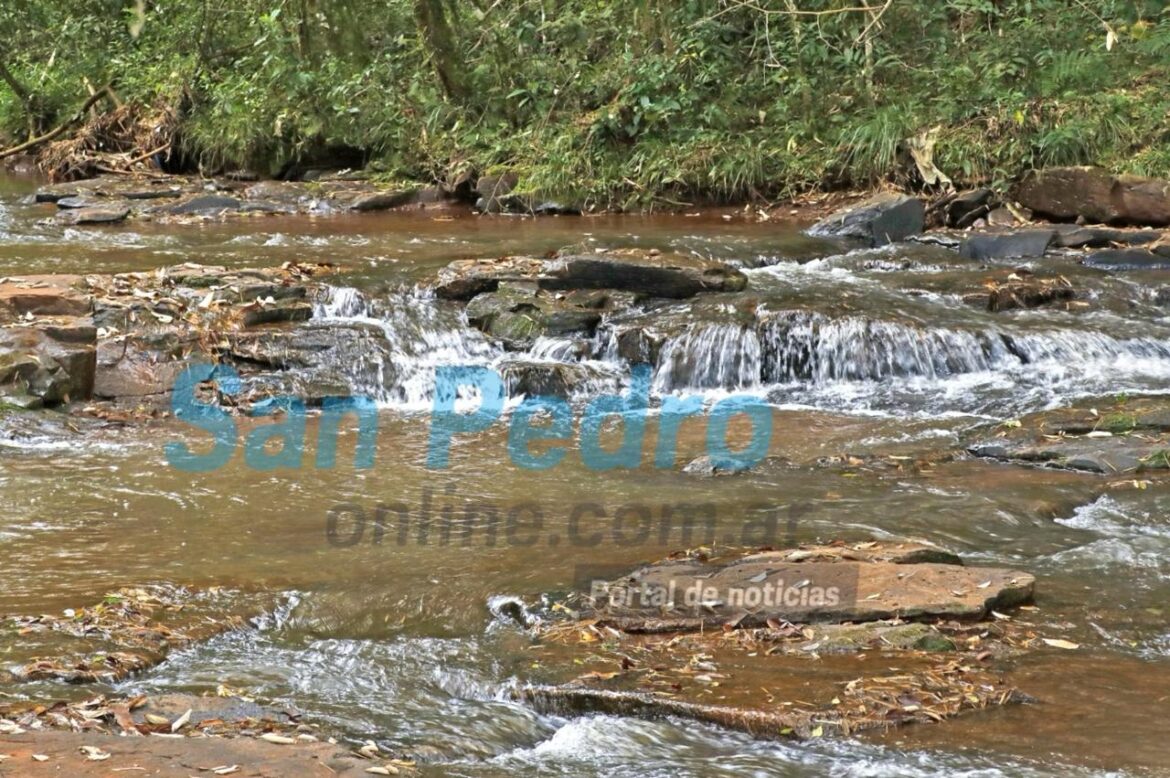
[{"x": 394, "y": 640}]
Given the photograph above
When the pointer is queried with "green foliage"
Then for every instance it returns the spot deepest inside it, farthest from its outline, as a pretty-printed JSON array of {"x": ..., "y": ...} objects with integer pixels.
[{"x": 615, "y": 103}]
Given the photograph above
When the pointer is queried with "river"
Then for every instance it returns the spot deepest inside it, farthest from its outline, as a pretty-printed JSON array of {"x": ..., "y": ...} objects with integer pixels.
[{"x": 870, "y": 356}]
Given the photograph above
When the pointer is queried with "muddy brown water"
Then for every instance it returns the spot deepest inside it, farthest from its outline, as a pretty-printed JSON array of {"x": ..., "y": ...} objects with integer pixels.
[{"x": 395, "y": 640}]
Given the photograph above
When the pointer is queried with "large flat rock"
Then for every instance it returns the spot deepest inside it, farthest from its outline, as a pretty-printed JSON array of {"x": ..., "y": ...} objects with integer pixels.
[
  {"x": 818, "y": 588},
  {"x": 647, "y": 273}
]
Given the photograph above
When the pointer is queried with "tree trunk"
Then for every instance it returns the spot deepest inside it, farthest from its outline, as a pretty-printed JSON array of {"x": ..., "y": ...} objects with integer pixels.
[
  {"x": 440, "y": 39},
  {"x": 26, "y": 98}
]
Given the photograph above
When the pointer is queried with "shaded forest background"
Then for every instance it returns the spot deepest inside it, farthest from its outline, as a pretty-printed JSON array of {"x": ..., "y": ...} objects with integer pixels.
[{"x": 607, "y": 102}]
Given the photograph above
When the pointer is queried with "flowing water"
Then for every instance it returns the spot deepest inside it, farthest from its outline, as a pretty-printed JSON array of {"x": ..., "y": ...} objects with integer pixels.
[{"x": 861, "y": 353}]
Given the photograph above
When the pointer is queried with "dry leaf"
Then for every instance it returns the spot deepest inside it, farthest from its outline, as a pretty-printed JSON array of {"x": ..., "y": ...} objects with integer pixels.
[
  {"x": 1065, "y": 644},
  {"x": 279, "y": 740}
]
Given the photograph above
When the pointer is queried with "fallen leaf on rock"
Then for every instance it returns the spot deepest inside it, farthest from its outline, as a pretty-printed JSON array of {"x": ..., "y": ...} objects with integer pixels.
[
  {"x": 181, "y": 722},
  {"x": 1065, "y": 644},
  {"x": 279, "y": 740},
  {"x": 95, "y": 754}
]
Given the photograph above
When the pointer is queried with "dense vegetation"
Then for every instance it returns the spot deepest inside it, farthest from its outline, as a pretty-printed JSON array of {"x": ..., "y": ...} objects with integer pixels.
[{"x": 614, "y": 100}]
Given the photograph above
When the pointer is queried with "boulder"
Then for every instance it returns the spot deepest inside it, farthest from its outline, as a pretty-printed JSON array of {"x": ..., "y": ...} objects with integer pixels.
[
  {"x": 885, "y": 218},
  {"x": 94, "y": 214},
  {"x": 137, "y": 367},
  {"x": 967, "y": 207},
  {"x": 53, "y": 369},
  {"x": 381, "y": 201},
  {"x": 519, "y": 313},
  {"x": 1095, "y": 195},
  {"x": 1008, "y": 245},
  {"x": 1113, "y": 437},
  {"x": 1032, "y": 293},
  {"x": 493, "y": 191}
]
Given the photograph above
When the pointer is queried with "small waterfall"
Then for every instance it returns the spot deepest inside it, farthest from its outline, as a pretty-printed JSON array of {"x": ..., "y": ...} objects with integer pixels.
[
  {"x": 420, "y": 334},
  {"x": 805, "y": 346},
  {"x": 710, "y": 356}
]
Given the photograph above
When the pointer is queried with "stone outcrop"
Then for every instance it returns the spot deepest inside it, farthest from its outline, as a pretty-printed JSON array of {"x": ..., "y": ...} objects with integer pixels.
[
  {"x": 1095, "y": 195},
  {"x": 1115, "y": 438},
  {"x": 127, "y": 337}
]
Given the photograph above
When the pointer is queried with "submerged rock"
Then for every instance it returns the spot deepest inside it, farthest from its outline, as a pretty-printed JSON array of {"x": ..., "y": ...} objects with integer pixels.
[
  {"x": 94, "y": 214},
  {"x": 885, "y": 218},
  {"x": 1114, "y": 438},
  {"x": 53, "y": 367},
  {"x": 1008, "y": 245},
  {"x": 1129, "y": 259}
]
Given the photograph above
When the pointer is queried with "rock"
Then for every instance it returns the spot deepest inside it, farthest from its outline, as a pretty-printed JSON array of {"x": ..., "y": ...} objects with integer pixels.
[
  {"x": 1095, "y": 195},
  {"x": 686, "y": 595},
  {"x": 967, "y": 207},
  {"x": 885, "y": 218},
  {"x": 463, "y": 279},
  {"x": 898, "y": 553},
  {"x": 1070, "y": 192},
  {"x": 381, "y": 201},
  {"x": 283, "y": 311},
  {"x": 96, "y": 214},
  {"x": 1009, "y": 245},
  {"x": 207, "y": 204},
  {"x": 519, "y": 313},
  {"x": 1074, "y": 236},
  {"x": 1032, "y": 293},
  {"x": 1115, "y": 438},
  {"x": 42, "y": 296},
  {"x": 136, "y": 367},
  {"x": 641, "y": 272},
  {"x": 32, "y": 362},
  {"x": 282, "y": 192},
  {"x": 492, "y": 192},
  {"x": 843, "y": 711},
  {"x": 535, "y": 378},
  {"x": 79, "y": 201},
  {"x": 1006, "y": 217},
  {"x": 1127, "y": 259},
  {"x": 553, "y": 208},
  {"x": 673, "y": 277},
  {"x": 706, "y": 466}
]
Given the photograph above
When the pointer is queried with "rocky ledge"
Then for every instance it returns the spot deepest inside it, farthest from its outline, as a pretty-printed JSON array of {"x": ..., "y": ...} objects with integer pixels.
[
  {"x": 684, "y": 637},
  {"x": 1113, "y": 436},
  {"x": 1094, "y": 217},
  {"x": 124, "y": 338}
]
